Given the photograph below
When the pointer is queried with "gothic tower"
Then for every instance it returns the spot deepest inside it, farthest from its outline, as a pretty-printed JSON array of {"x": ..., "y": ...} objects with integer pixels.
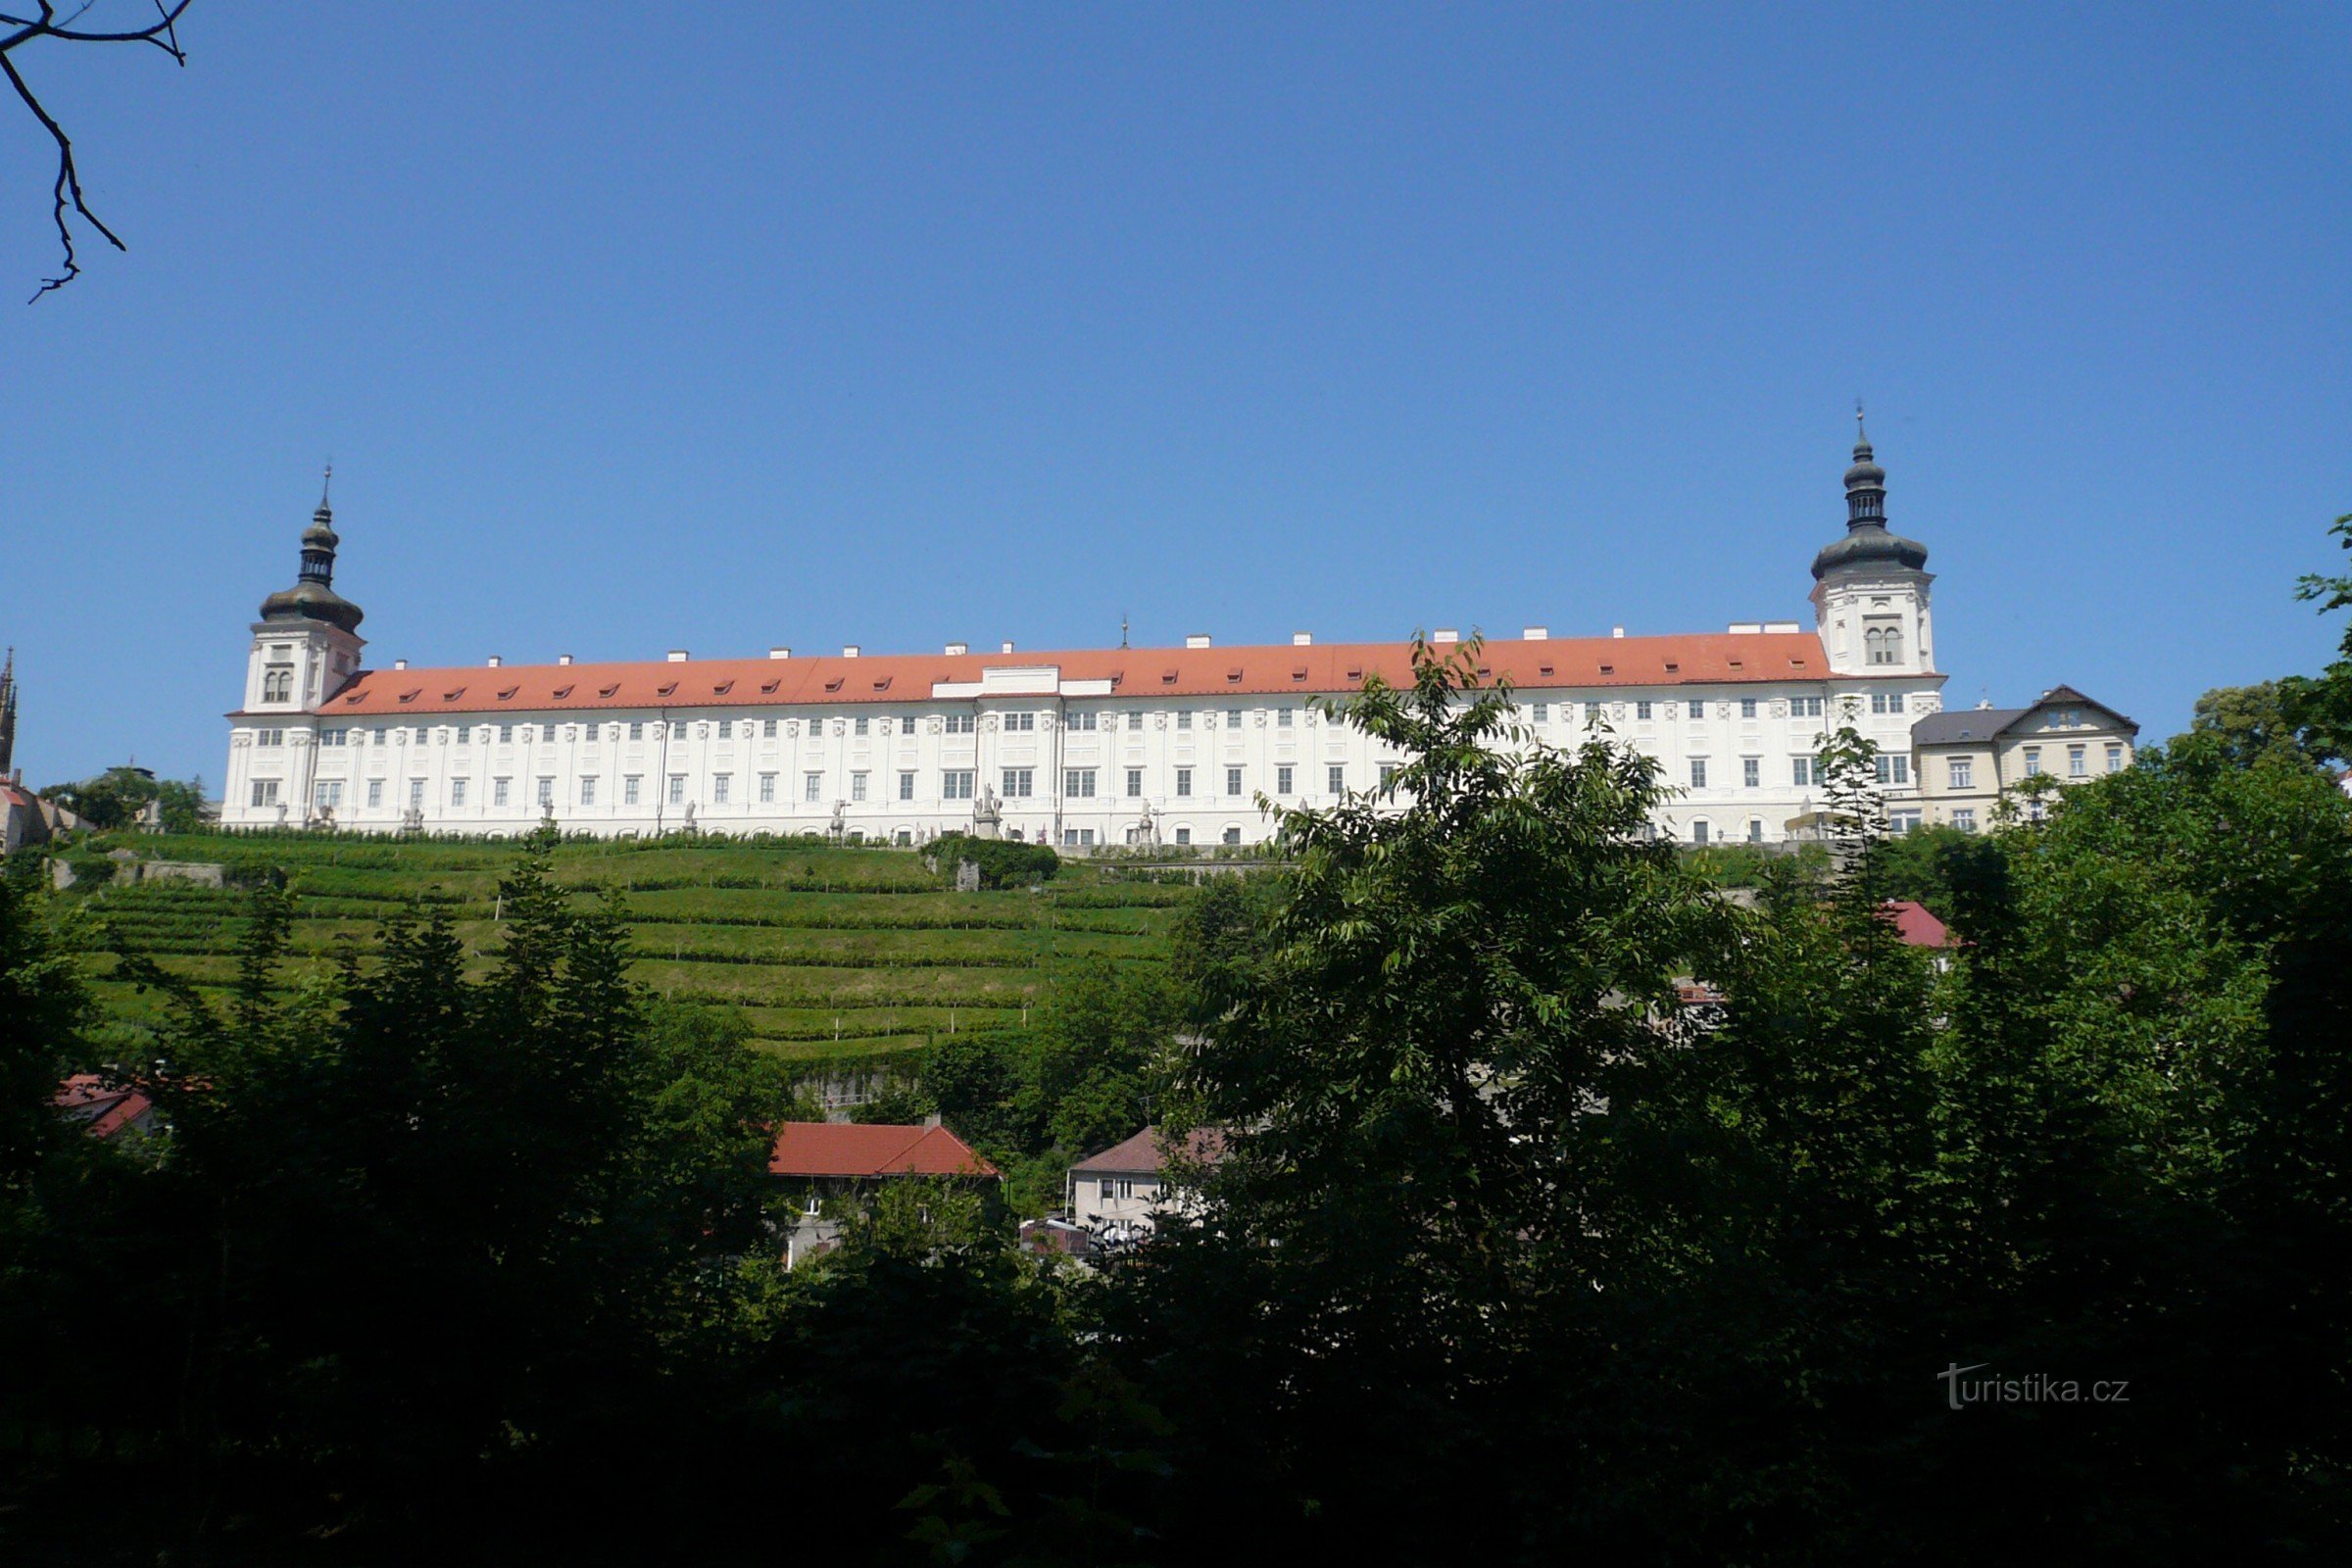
[{"x": 1869, "y": 593}]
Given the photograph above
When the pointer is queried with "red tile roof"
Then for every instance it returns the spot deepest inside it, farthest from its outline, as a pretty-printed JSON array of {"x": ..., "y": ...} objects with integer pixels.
[
  {"x": 1145, "y": 1153},
  {"x": 1698, "y": 660},
  {"x": 848, "y": 1149},
  {"x": 1918, "y": 927},
  {"x": 103, "y": 1109}
]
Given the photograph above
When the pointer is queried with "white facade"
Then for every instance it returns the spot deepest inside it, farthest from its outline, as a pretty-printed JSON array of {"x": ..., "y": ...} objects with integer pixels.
[{"x": 1097, "y": 747}]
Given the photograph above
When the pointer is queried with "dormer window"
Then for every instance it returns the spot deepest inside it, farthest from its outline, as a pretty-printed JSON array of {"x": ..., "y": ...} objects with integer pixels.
[
  {"x": 769, "y": 686},
  {"x": 563, "y": 692},
  {"x": 669, "y": 690},
  {"x": 722, "y": 688},
  {"x": 508, "y": 693},
  {"x": 608, "y": 691}
]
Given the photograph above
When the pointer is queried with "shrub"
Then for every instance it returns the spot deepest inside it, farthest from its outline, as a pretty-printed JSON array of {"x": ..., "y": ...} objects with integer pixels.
[{"x": 1003, "y": 863}]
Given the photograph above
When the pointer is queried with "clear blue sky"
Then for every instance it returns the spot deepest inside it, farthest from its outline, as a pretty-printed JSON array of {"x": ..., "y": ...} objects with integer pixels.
[{"x": 724, "y": 326}]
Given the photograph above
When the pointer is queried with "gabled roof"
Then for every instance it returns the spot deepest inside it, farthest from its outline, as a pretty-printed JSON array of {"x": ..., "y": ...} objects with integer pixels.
[
  {"x": 103, "y": 1109},
  {"x": 1715, "y": 658},
  {"x": 1917, "y": 925},
  {"x": 848, "y": 1149},
  {"x": 1959, "y": 726},
  {"x": 1147, "y": 1153}
]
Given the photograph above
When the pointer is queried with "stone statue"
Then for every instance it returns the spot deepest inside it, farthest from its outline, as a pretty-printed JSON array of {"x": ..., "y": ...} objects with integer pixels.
[
  {"x": 1147, "y": 827},
  {"x": 689, "y": 816},
  {"x": 837, "y": 826},
  {"x": 987, "y": 818}
]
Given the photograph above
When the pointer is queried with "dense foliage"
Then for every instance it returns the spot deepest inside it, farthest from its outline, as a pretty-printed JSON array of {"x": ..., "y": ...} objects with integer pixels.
[
  {"x": 115, "y": 797},
  {"x": 1001, "y": 863},
  {"x": 1566, "y": 1207}
]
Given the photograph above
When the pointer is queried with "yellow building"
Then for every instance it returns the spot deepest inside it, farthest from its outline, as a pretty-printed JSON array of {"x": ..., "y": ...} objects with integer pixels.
[{"x": 1969, "y": 758}]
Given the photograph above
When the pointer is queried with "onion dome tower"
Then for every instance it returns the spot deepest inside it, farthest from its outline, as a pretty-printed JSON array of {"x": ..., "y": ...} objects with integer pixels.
[
  {"x": 313, "y": 596},
  {"x": 1867, "y": 540},
  {"x": 1870, "y": 588}
]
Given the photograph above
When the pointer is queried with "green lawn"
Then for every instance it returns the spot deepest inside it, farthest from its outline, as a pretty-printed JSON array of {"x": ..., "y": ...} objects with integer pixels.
[{"x": 829, "y": 954}]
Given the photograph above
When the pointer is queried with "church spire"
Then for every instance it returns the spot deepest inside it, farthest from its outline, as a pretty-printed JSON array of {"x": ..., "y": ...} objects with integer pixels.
[
  {"x": 8, "y": 717},
  {"x": 313, "y": 596},
  {"x": 1866, "y": 541}
]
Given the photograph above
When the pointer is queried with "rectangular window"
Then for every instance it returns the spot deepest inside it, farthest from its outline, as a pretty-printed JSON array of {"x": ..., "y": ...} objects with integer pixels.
[
  {"x": 1134, "y": 782},
  {"x": 2115, "y": 757},
  {"x": 1698, "y": 773},
  {"x": 375, "y": 792},
  {"x": 330, "y": 737},
  {"x": 1752, "y": 772},
  {"x": 1336, "y": 778},
  {"x": 1642, "y": 711},
  {"x": 768, "y": 729},
  {"x": 955, "y": 784},
  {"x": 1184, "y": 835},
  {"x": 588, "y": 790},
  {"x": 860, "y": 726},
  {"x": 678, "y": 789},
  {"x": 1965, "y": 819},
  {"x": 1756, "y": 830},
  {"x": 1282, "y": 782},
  {"x": 1078, "y": 783},
  {"x": 1184, "y": 781},
  {"x": 1388, "y": 773},
  {"x": 1894, "y": 769},
  {"x": 857, "y": 785},
  {"x": 1699, "y": 710},
  {"x": 767, "y": 789},
  {"x": 906, "y": 724},
  {"x": 677, "y": 730},
  {"x": 1747, "y": 707},
  {"x": 721, "y": 786},
  {"x": 1017, "y": 781},
  {"x": 270, "y": 737},
  {"x": 959, "y": 724},
  {"x": 1020, "y": 721},
  {"x": 1804, "y": 707},
  {"x": 1084, "y": 718},
  {"x": 1698, "y": 832},
  {"x": 326, "y": 794},
  {"x": 547, "y": 792},
  {"x": 1963, "y": 771},
  {"x": 637, "y": 729},
  {"x": 1542, "y": 712},
  {"x": 2033, "y": 761},
  {"x": 381, "y": 734},
  {"x": 1282, "y": 719},
  {"x": 812, "y": 787},
  {"x": 264, "y": 792},
  {"x": 1884, "y": 703},
  {"x": 499, "y": 790},
  {"x": 905, "y": 786},
  {"x": 1592, "y": 712},
  {"x": 1232, "y": 782},
  {"x": 630, "y": 787},
  {"x": 505, "y": 734},
  {"x": 1233, "y": 835},
  {"x": 1901, "y": 822},
  {"x": 456, "y": 791},
  {"x": 1233, "y": 719},
  {"x": 416, "y": 793},
  {"x": 1800, "y": 771},
  {"x": 1184, "y": 718},
  {"x": 1134, "y": 719},
  {"x": 726, "y": 729},
  {"x": 2078, "y": 764}
]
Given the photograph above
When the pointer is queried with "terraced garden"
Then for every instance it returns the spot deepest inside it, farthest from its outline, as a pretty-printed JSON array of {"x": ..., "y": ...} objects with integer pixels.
[{"x": 833, "y": 955}]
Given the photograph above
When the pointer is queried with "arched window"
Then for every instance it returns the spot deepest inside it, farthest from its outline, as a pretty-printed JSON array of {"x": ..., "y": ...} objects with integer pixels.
[{"x": 1894, "y": 645}]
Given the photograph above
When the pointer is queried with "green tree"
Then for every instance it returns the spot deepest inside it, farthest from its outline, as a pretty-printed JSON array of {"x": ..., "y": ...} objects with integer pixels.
[
  {"x": 2250, "y": 724},
  {"x": 2320, "y": 706}
]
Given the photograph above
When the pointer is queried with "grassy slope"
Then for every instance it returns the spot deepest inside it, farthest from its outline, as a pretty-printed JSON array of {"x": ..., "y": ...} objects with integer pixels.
[{"x": 829, "y": 952}]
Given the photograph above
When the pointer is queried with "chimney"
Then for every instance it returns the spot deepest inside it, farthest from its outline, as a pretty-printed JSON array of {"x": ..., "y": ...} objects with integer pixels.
[
  {"x": 1199, "y": 638},
  {"x": 849, "y": 650},
  {"x": 562, "y": 659},
  {"x": 677, "y": 655},
  {"x": 1006, "y": 648},
  {"x": 400, "y": 664},
  {"x": 1535, "y": 634},
  {"x": 779, "y": 653},
  {"x": 1616, "y": 631},
  {"x": 495, "y": 661},
  {"x": 1444, "y": 634},
  {"x": 1745, "y": 628},
  {"x": 958, "y": 649},
  {"x": 1302, "y": 639}
]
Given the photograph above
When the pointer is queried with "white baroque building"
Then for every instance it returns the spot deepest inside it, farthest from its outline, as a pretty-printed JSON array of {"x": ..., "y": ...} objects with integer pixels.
[{"x": 1097, "y": 745}]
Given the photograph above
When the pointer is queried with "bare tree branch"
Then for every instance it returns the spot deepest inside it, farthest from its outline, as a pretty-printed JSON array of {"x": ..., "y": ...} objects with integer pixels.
[{"x": 66, "y": 193}]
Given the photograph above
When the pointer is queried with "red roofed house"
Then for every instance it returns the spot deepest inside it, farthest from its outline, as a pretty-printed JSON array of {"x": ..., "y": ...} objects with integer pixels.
[
  {"x": 104, "y": 1109},
  {"x": 1121, "y": 1193},
  {"x": 1075, "y": 748},
  {"x": 826, "y": 1160},
  {"x": 1919, "y": 929}
]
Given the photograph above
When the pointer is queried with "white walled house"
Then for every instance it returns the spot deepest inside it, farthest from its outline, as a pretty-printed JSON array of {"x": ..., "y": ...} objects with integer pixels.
[{"x": 1076, "y": 748}]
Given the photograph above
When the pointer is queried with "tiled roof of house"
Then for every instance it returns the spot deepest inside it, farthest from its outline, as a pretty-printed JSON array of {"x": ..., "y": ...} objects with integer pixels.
[
  {"x": 1700, "y": 659},
  {"x": 1961, "y": 725},
  {"x": 1145, "y": 1153},
  {"x": 103, "y": 1109},
  {"x": 848, "y": 1149},
  {"x": 1916, "y": 926}
]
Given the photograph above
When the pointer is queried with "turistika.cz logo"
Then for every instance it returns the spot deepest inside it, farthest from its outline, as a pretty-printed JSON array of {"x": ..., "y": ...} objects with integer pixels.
[{"x": 2031, "y": 1388}]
